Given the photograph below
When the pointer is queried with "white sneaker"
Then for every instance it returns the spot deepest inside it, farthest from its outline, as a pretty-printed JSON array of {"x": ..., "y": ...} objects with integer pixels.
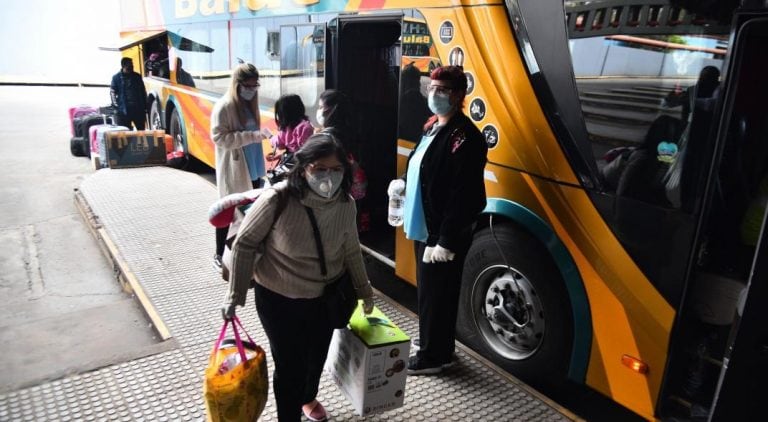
[{"x": 217, "y": 263}]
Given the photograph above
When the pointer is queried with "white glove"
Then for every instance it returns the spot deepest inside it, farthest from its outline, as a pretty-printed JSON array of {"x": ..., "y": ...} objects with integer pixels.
[
  {"x": 228, "y": 311},
  {"x": 368, "y": 305},
  {"x": 440, "y": 254},
  {"x": 396, "y": 186},
  {"x": 427, "y": 258}
]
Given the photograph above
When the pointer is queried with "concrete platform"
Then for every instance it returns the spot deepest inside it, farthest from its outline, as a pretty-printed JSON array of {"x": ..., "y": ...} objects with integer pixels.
[{"x": 152, "y": 223}]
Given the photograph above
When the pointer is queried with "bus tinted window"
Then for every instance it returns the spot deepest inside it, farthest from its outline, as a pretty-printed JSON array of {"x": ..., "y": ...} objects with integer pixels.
[
  {"x": 648, "y": 85},
  {"x": 251, "y": 41},
  {"x": 638, "y": 92},
  {"x": 302, "y": 61},
  {"x": 204, "y": 51}
]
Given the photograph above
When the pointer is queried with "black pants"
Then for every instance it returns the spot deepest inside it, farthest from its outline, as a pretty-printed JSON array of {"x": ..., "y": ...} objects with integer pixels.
[
  {"x": 438, "y": 291},
  {"x": 221, "y": 239},
  {"x": 221, "y": 232},
  {"x": 137, "y": 117},
  {"x": 299, "y": 335}
]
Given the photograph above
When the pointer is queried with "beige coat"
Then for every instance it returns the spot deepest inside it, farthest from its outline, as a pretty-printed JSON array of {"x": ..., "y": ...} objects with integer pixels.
[{"x": 227, "y": 132}]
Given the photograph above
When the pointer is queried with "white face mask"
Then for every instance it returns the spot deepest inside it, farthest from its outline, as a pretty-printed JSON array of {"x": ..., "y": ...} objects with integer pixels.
[
  {"x": 325, "y": 184},
  {"x": 319, "y": 116},
  {"x": 247, "y": 93}
]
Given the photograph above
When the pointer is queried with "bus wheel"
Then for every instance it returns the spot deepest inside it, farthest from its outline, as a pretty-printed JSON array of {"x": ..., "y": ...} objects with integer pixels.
[
  {"x": 515, "y": 309},
  {"x": 179, "y": 143},
  {"x": 155, "y": 120}
]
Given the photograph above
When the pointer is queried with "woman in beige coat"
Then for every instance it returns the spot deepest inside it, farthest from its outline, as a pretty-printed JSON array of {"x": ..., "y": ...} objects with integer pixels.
[{"x": 235, "y": 129}]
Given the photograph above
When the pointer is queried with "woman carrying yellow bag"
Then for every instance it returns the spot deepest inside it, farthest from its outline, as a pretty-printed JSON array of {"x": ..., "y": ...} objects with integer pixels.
[
  {"x": 236, "y": 383},
  {"x": 304, "y": 287}
]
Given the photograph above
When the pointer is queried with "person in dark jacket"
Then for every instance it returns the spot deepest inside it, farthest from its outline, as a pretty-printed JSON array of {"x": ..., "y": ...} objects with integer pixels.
[
  {"x": 444, "y": 195},
  {"x": 182, "y": 76},
  {"x": 129, "y": 96}
]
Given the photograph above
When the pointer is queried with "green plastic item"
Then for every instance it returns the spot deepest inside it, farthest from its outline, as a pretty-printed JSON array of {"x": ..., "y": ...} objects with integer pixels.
[{"x": 375, "y": 329}]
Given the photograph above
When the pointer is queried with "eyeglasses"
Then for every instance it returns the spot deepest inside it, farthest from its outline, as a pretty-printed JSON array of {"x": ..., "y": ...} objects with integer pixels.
[
  {"x": 321, "y": 170},
  {"x": 439, "y": 89},
  {"x": 256, "y": 86}
]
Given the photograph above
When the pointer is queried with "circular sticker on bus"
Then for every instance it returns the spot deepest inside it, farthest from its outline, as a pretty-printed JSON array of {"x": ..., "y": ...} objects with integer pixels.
[
  {"x": 456, "y": 57},
  {"x": 470, "y": 82},
  {"x": 477, "y": 109},
  {"x": 491, "y": 136},
  {"x": 446, "y": 32}
]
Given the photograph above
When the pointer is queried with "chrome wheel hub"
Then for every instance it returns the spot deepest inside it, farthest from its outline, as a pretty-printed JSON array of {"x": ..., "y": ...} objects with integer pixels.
[{"x": 508, "y": 312}]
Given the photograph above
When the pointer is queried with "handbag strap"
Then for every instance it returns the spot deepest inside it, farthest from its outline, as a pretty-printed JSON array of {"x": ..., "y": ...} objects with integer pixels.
[
  {"x": 318, "y": 240},
  {"x": 235, "y": 321}
]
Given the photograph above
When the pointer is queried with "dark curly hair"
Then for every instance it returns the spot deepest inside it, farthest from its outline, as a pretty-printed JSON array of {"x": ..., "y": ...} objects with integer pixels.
[
  {"x": 289, "y": 111},
  {"x": 453, "y": 74},
  {"x": 318, "y": 146},
  {"x": 456, "y": 79}
]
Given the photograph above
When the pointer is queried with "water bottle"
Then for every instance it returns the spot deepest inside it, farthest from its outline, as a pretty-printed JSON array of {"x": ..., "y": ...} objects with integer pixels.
[{"x": 396, "y": 205}]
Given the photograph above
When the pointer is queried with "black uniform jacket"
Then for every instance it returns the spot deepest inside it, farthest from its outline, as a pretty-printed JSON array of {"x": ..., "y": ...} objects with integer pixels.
[{"x": 451, "y": 179}]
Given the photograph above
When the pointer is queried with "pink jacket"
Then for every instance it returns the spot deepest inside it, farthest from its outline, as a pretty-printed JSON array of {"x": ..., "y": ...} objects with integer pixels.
[{"x": 293, "y": 138}]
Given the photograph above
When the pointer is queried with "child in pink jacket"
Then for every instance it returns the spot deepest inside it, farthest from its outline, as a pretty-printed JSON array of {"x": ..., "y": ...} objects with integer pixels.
[{"x": 292, "y": 124}]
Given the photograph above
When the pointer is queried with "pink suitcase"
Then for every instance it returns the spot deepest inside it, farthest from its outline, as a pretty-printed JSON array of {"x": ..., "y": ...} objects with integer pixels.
[{"x": 78, "y": 111}]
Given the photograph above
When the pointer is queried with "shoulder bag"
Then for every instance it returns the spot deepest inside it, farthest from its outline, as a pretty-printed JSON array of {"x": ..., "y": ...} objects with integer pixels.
[{"x": 338, "y": 297}]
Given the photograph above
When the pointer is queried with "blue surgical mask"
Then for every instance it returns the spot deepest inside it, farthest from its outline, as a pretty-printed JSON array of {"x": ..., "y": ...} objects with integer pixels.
[
  {"x": 247, "y": 93},
  {"x": 439, "y": 104},
  {"x": 325, "y": 184}
]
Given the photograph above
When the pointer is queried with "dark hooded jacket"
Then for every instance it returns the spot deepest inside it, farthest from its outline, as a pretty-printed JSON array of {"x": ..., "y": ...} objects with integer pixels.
[{"x": 452, "y": 182}]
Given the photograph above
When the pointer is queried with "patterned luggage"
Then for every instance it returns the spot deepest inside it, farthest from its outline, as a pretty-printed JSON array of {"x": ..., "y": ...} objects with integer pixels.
[
  {"x": 135, "y": 148},
  {"x": 98, "y": 142}
]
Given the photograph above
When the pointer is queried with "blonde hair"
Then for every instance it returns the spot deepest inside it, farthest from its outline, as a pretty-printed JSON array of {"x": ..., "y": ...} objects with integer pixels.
[{"x": 242, "y": 73}]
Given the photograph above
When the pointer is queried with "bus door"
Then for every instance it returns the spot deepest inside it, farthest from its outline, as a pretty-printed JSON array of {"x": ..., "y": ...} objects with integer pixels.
[
  {"x": 366, "y": 67},
  {"x": 743, "y": 380},
  {"x": 302, "y": 63},
  {"x": 718, "y": 353}
]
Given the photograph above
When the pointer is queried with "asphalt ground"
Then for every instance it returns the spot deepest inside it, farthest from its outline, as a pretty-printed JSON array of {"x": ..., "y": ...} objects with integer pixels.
[{"x": 61, "y": 309}]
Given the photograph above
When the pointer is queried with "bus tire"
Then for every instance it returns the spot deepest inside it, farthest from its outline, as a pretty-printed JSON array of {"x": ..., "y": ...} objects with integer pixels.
[
  {"x": 179, "y": 143},
  {"x": 155, "y": 119},
  {"x": 517, "y": 316}
]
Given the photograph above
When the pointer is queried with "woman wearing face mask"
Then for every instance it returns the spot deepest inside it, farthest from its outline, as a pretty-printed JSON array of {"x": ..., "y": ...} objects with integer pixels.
[
  {"x": 289, "y": 272},
  {"x": 235, "y": 123},
  {"x": 444, "y": 195}
]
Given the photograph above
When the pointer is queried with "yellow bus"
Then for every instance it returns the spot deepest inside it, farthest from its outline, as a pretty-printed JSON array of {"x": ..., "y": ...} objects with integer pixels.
[
  {"x": 418, "y": 46},
  {"x": 626, "y": 166}
]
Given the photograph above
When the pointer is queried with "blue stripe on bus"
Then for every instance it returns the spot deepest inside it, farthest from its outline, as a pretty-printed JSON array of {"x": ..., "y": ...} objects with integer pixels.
[{"x": 582, "y": 327}]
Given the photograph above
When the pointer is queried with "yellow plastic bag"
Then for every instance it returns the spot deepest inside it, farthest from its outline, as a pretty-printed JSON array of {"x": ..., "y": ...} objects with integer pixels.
[{"x": 236, "y": 383}]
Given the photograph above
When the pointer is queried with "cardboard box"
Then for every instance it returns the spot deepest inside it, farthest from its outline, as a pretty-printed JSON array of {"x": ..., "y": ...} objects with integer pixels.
[
  {"x": 368, "y": 361},
  {"x": 135, "y": 148}
]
